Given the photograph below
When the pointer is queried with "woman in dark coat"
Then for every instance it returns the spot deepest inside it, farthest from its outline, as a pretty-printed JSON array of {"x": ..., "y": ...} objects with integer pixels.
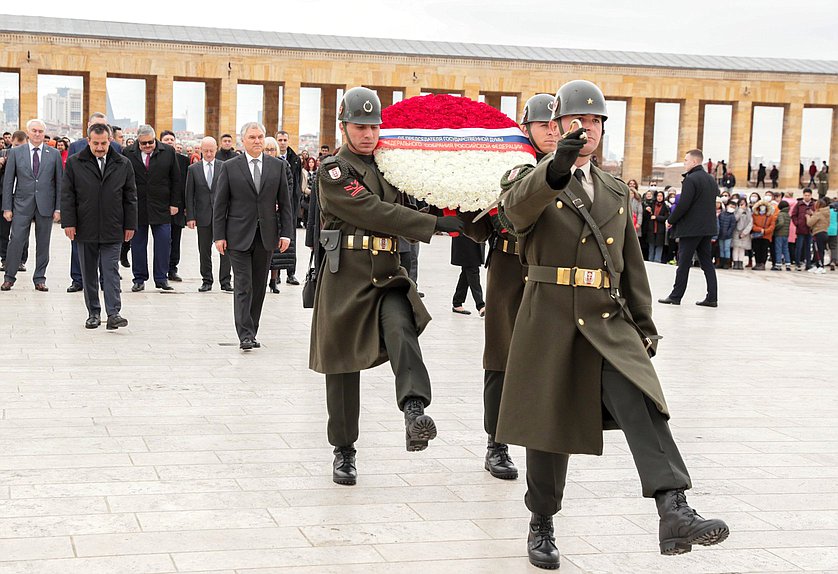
[
  {"x": 655, "y": 232},
  {"x": 288, "y": 259},
  {"x": 469, "y": 256}
]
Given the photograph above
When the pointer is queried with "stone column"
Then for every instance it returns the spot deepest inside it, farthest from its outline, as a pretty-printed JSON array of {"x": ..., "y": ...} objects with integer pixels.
[
  {"x": 163, "y": 104},
  {"x": 493, "y": 99},
  {"x": 291, "y": 111},
  {"x": 519, "y": 106},
  {"x": 386, "y": 96},
  {"x": 28, "y": 77},
  {"x": 95, "y": 97},
  {"x": 412, "y": 90},
  {"x": 741, "y": 131},
  {"x": 328, "y": 115},
  {"x": 472, "y": 91},
  {"x": 227, "y": 101},
  {"x": 270, "y": 105},
  {"x": 635, "y": 139},
  {"x": 790, "y": 155},
  {"x": 648, "y": 140},
  {"x": 688, "y": 127}
]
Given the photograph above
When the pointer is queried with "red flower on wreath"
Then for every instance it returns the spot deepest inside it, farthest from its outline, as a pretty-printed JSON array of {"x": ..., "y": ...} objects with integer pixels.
[{"x": 434, "y": 112}]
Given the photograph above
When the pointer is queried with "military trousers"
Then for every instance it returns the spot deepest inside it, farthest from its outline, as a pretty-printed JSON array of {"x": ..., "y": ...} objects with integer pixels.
[
  {"x": 343, "y": 390},
  {"x": 492, "y": 391},
  {"x": 655, "y": 453}
]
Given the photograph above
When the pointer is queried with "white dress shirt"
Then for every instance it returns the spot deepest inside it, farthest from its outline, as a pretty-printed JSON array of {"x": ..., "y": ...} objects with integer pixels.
[
  {"x": 207, "y": 165},
  {"x": 250, "y": 159},
  {"x": 587, "y": 181}
]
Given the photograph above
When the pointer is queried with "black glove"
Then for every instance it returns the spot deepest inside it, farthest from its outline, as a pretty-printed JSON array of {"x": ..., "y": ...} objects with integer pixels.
[
  {"x": 567, "y": 151},
  {"x": 449, "y": 224}
]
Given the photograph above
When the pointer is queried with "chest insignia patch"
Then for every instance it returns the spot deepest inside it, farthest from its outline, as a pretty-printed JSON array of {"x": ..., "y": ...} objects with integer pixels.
[{"x": 334, "y": 173}]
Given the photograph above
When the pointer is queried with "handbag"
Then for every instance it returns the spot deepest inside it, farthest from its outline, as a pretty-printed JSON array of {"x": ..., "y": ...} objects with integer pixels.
[
  {"x": 310, "y": 284},
  {"x": 756, "y": 235}
]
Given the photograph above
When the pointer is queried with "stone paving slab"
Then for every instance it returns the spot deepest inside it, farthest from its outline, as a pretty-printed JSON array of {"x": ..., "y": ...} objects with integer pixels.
[{"x": 162, "y": 448}]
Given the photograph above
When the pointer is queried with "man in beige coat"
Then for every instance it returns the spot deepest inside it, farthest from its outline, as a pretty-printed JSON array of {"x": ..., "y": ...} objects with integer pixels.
[{"x": 579, "y": 361}]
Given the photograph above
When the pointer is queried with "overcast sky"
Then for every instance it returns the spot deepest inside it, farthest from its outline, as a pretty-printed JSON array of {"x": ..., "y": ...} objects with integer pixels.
[{"x": 763, "y": 28}]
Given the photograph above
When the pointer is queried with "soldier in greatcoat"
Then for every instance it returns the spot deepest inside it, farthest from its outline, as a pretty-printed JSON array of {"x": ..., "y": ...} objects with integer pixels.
[
  {"x": 579, "y": 361},
  {"x": 504, "y": 289},
  {"x": 367, "y": 311}
]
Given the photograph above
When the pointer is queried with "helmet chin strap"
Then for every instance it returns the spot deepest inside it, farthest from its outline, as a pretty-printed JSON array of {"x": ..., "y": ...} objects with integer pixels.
[{"x": 532, "y": 140}]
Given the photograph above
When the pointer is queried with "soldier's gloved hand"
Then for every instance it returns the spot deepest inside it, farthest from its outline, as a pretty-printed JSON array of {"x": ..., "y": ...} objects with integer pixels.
[
  {"x": 567, "y": 150},
  {"x": 449, "y": 224}
]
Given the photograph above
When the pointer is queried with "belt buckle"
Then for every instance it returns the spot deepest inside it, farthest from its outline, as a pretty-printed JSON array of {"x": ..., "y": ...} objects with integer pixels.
[
  {"x": 587, "y": 277},
  {"x": 381, "y": 244}
]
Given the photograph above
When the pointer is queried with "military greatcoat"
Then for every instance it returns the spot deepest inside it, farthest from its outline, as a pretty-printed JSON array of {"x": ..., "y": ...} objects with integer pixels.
[
  {"x": 552, "y": 393},
  {"x": 356, "y": 199}
]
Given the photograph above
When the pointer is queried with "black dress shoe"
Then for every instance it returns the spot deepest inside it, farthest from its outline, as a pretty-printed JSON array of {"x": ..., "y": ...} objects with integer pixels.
[
  {"x": 123, "y": 260},
  {"x": 21, "y": 267},
  {"x": 257, "y": 344},
  {"x": 707, "y": 303},
  {"x": 292, "y": 280},
  {"x": 343, "y": 468},
  {"x": 227, "y": 287},
  {"x": 460, "y": 311},
  {"x": 421, "y": 295},
  {"x": 2, "y": 265},
  {"x": 74, "y": 288},
  {"x": 498, "y": 462},
  {"x": 6, "y": 286},
  {"x": 41, "y": 287},
  {"x": 419, "y": 428},
  {"x": 205, "y": 287},
  {"x": 669, "y": 301},
  {"x": 173, "y": 276},
  {"x": 116, "y": 321},
  {"x": 137, "y": 287},
  {"x": 541, "y": 543},
  {"x": 92, "y": 322},
  {"x": 681, "y": 526},
  {"x": 164, "y": 286},
  {"x": 246, "y": 345},
  {"x": 273, "y": 287}
]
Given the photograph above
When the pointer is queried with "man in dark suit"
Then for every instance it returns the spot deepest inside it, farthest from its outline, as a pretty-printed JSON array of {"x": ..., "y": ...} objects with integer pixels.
[
  {"x": 159, "y": 196},
  {"x": 32, "y": 187},
  {"x": 226, "y": 152},
  {"x": 76, "y": 147},
  {"x": 201, "y": 183},
  {"x": 694, "y": 223},
  {"x": 99, "y": 212},
  {"x": 284, "y": 151},
  {"x": 18, "y": 139},
  {"x": 178, "y": 220},
  {"x": 251, "y": 217}
]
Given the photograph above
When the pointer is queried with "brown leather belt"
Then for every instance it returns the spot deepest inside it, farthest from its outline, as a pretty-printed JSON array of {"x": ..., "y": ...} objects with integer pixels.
[
  {"x": 507, "y": 246},
  {"x": 572, "y": 276},
  {"x": 372, "y": 243}
]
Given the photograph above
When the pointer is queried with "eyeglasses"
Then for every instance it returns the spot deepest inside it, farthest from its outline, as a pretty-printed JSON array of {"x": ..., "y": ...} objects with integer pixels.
[
  {"x": 146, "y": 143},
  {"x": 270, "y": 149}
]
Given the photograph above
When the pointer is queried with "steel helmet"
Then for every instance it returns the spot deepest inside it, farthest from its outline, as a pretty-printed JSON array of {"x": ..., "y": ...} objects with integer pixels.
[
  {"x": 538, "y": 108},
  {"x": 579, "y": 97},
  {"x": 360, "y": 106}
]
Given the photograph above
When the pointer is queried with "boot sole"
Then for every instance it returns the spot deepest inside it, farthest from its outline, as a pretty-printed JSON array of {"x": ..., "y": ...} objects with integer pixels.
[
  {"x": 545, "y": 565},
  {"x": 678, "y": 546},
  {"x": 344, "y": 481},
  {"x": 502, "y": 475},
  {"x": 422, "y": 430}
]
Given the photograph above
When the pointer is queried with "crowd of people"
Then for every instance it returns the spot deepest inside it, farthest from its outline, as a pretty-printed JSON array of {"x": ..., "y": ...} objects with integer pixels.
[{"x": 752, "y": 229}]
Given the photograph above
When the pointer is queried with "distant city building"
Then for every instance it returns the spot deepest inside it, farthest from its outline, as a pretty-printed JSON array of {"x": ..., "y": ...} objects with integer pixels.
[
  {"x": 178, "y": 125},
  {"x": 11, "y": 110},
  {"x": 63, "y": 107}
]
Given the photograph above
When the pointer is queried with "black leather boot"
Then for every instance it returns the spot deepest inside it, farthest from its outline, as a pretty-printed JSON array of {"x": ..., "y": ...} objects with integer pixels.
[
  {"x": 419, "y": 428},
  {"x": 498, "y": 462},
  {"x": 272, "y": 285},
  {"x": 343, "y": 469},
  {"x": 681, "y": 526},
  {"x": 541, "y": 543}
]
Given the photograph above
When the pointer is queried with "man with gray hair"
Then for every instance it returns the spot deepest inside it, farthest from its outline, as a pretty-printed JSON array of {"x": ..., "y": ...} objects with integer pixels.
[
  {"x": 251, "y": 217},
  {"x": 32, "y": 187},
  {"x": 159, "y": 196},
  {"x": 201, "y": 184}
]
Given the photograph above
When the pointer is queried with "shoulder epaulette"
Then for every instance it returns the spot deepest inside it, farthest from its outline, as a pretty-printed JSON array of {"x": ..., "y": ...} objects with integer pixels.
[{"x": 336, "y": 170}]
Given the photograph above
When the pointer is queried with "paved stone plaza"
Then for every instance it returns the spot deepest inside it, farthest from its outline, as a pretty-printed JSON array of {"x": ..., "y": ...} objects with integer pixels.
[{"x": 162, "y": 448}]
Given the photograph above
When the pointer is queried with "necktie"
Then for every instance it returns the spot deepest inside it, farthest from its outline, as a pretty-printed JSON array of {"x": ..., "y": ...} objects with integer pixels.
[
  {"x": 579, "y": 175},
  {"x": 147, "y": 157},
  {"x": 36, "y": 163},
  {"x": 209, "y": 174},
  {"x": 102, "y": 166},
  {"x": 257, "y": 174}
]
